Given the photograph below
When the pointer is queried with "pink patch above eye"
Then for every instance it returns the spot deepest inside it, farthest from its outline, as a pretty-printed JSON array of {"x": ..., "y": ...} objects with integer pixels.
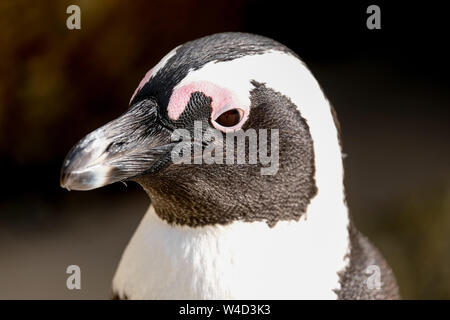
[
  {"x": 142, "y": 83},
  {"x": 221, "y": 98}
]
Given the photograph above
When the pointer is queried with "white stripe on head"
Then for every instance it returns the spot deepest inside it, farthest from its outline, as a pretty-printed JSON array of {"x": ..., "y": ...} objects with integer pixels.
[
  {"x": 163, "y": 61},
  {"x": 288, "y": 75},
  {"x": 153, "y": 71}
]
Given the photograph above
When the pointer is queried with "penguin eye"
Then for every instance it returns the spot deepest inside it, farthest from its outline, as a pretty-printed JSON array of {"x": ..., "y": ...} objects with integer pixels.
[{"x": 230, "y": 118}]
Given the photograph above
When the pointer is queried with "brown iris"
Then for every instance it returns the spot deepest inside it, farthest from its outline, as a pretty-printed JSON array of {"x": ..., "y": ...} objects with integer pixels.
[{"x": 230, "y": 118}]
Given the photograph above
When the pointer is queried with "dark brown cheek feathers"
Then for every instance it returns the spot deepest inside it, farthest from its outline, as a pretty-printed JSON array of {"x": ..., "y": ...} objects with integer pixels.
[{"x": 198, "y": 195}]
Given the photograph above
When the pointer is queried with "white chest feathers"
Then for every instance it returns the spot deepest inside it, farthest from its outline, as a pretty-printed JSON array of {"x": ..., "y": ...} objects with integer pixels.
[{"x": 243, "y": 260}]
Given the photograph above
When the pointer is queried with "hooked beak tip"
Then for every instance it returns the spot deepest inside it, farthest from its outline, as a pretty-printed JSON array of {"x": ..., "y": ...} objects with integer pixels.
[
  {"x": 80, "y": 172},
  {"x": 62, "y": 181},
  {"x": 85, "y": 178}
]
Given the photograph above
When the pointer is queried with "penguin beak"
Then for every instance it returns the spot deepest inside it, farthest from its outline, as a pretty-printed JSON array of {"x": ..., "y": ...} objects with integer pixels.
[{"x": 131, "y": 145}]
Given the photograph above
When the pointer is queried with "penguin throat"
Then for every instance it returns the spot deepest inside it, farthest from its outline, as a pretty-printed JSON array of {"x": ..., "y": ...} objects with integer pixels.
[{"x": 293, "y": 260}]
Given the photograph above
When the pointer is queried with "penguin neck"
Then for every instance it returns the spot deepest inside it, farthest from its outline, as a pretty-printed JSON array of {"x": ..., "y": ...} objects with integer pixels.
[
  {"x": 222, "y": 261},
  {"x": 296, "y": 259}
]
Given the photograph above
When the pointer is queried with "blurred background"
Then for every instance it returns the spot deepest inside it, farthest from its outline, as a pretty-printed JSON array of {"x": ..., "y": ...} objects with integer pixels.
[{"x": 390, "y": 88}]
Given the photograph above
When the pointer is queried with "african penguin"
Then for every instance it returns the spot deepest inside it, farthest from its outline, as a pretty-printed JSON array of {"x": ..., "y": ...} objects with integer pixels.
[{"x": 226, "y": 231}]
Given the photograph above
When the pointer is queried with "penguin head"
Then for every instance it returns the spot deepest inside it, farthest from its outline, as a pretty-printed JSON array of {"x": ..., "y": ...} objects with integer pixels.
[{"x": 225, "y": 83}]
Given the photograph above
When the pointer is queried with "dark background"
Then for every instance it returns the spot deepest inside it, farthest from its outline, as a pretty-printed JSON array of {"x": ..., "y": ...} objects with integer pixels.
[{"x": 390, "y": 88}]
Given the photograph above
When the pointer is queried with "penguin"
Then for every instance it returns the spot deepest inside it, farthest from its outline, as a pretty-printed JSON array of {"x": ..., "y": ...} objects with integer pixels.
[{"x": 227, "y": 231}]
